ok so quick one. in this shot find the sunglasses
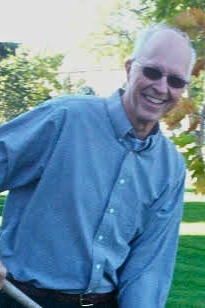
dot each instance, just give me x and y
(154, 73)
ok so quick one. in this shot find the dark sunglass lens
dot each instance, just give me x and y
(152, 73)
(176, 82)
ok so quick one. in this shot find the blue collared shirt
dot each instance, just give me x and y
(90, 208)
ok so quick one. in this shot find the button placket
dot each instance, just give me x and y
(108, 224)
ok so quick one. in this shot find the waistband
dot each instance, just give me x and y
(84, 300)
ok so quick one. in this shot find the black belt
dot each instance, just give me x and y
(85, 300)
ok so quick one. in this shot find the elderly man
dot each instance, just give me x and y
(96, 190)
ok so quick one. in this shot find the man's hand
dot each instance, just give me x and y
(2, 274)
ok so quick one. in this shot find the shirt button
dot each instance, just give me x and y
(120, 140)
(100, 237)
(112, 211)
(122, 181)
(98, 266)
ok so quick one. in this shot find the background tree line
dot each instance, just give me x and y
(26, 79)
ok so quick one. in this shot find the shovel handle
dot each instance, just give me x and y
(18, 295)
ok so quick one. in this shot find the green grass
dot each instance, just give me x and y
(188, 287)
(194, 212)
(2, 198)
(190, 190)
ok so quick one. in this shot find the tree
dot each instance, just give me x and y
(114, 37)
(80, 87)
(7, 49)
(189, 17)
(26, 80)
(86, 90)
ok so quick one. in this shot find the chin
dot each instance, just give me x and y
(148, 117)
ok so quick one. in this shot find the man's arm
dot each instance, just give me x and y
(25, 146)
(145, 277)
(23, 151)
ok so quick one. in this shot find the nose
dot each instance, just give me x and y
(161, 85)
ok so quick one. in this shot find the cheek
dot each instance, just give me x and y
(176, 96)
(138, 84)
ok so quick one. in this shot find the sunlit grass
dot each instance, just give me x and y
(194, 218)
(190, 190)
(188, 287)
(194, 212)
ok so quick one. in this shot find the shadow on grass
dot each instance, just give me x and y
(194, 212)
(188, 287)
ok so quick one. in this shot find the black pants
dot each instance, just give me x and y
(47, 302)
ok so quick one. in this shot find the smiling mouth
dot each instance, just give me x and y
(154, 100)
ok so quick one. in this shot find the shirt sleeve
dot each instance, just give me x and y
(146, 275)
(26, 144)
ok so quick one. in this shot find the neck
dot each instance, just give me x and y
(141, 127)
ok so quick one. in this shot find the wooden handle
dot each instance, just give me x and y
(18, 295)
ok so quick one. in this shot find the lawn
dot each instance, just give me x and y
(188, 287)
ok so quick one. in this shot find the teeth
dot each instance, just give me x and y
(154, 100)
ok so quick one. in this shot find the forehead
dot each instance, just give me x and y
(168, 50)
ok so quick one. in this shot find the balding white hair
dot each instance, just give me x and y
(144, 35)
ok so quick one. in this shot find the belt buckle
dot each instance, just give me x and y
(83, 304)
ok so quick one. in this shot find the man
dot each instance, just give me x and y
(95, 189)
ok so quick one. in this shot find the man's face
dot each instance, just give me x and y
(148, 100)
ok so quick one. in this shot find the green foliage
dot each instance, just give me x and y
(78, 88)
(67, 85)
(196, 89)
(26, 80)
(165, 9)
(185, 14)
(194, 158)
(7, 49)
(116, 36)
(86, 90)
(183, 139)
(82, 88)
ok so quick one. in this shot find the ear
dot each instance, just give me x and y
(128, 65)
